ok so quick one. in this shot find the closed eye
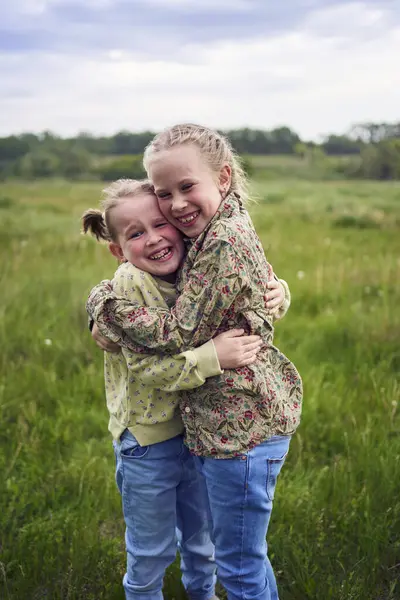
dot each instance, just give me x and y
(161, 224)
(163, 195)
(186, 187)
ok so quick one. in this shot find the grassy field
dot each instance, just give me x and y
(335, 531)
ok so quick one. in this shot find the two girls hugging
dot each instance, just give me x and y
(202, 404)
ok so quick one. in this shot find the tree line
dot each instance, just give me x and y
(377, 146)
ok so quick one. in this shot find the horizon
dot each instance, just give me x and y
(94, 134)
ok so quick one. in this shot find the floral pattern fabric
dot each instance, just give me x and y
(142, 390)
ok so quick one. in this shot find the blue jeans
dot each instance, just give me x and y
(165, 506)
(240, 492)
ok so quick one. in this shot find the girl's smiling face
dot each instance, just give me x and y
(145, 238)
(188, 191)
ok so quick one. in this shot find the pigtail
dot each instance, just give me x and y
(93, 221)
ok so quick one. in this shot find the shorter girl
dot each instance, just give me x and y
(160, 488)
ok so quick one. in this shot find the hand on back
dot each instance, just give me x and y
(234, 349)
(276, 294)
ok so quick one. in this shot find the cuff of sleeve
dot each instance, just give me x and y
(97, 315)
(98, 295)
(281, 310)
(207, 360)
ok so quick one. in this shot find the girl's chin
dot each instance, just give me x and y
(165, 269)
(195, 230)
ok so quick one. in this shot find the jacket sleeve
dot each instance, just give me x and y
(173, 373)
(215, 280)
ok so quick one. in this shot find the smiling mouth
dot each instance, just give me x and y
(188, 219)
(162, 255)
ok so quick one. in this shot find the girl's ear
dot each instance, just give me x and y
(116, 251)
(225, 179)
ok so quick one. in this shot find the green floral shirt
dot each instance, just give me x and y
(222, 285)
(143, 390)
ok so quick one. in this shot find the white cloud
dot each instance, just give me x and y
(312, 83)
(343, 18)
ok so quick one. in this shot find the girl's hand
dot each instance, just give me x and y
(235, 349)
(276, 295)
(102, 342)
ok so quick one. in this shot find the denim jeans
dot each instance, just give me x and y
(240, 492)
(165, 507)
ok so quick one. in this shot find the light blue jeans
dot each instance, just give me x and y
(240, 492)
(165, 507)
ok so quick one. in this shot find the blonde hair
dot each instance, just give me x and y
(214, 147)
(98, 222)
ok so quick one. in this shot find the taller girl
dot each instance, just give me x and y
(237, 424)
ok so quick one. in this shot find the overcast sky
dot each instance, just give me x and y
(317, 66)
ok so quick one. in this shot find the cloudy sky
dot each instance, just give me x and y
(105, 65)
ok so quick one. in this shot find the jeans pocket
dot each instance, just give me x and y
(133, 450)
(274, 466)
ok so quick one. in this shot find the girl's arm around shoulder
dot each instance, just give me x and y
(129, 287)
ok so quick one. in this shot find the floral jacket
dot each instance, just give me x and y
(222, 285)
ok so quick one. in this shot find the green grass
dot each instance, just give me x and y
(335, 530)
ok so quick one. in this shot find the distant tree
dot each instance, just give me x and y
(341, 144)
(255, 141)
(13, 147)
(127, 166)
(381, 161)
(93, 145)
(283, 140)
(373, 133)
(30, 139)
(36, 164)
(75, 162)
(125, 142)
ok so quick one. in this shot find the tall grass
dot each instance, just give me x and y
(335, 531)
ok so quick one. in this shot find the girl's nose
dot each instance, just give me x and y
(178, 203)
(154, 238)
